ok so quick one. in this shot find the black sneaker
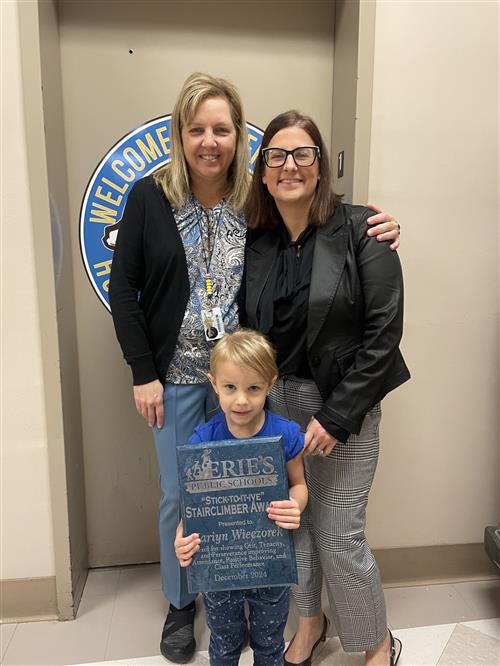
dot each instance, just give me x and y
(177, 638)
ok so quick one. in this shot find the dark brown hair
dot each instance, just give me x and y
(260, 209)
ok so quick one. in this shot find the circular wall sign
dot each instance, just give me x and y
(137, 155)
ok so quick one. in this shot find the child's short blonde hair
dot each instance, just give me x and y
(248, 349)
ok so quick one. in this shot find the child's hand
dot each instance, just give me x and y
(285, 513)
(186, 547)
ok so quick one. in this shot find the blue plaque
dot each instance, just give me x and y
(225, 489)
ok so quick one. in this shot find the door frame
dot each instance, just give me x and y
(354, 46)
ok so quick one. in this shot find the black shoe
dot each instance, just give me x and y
(394, 655)
(321, 639)
(177, 638)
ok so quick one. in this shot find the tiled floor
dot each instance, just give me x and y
(122, 613)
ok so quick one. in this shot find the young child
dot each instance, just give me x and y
(242, 372)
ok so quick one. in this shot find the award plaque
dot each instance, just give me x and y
(225, 489)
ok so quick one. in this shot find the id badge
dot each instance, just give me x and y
(213, 326)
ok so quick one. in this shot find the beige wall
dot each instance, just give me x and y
(434, 162)
(27, 538)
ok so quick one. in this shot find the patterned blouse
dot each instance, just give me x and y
(224, 253)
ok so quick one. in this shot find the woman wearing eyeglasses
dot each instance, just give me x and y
(331, 300)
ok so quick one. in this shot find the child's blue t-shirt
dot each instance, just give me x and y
(216, 429)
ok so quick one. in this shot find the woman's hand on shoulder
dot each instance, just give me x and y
(317, 440)
(186, 547)
(149, 402)
(285, 513)
(384, 227)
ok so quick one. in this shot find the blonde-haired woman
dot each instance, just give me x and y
(176, 272)
(177, 178)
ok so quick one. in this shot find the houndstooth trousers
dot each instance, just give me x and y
(331, 541)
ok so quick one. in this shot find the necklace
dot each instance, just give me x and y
(208, 226)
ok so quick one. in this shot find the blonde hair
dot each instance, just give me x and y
(248, 349)
(174, 177)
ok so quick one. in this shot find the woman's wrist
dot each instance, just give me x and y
(340, 434)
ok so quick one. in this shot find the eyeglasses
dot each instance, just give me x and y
(303, 156)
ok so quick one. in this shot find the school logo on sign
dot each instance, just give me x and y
(206, 475)
(137, 155)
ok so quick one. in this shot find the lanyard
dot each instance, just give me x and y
(208, 236)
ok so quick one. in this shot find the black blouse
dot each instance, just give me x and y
(284, 302)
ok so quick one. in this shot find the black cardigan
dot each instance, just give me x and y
(355, 315)
(149, 284)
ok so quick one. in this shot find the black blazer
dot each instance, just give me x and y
(355, 318)
(149, 285)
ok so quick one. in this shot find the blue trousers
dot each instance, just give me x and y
(225, 612)
(186, 406)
